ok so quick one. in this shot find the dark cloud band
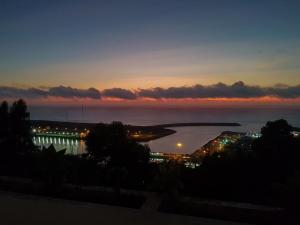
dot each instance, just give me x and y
(60, 91)
(119, 93)
(219, 90)
(68, 92)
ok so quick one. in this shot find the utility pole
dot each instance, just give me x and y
(82, 115)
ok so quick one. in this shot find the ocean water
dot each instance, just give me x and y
(192, 138)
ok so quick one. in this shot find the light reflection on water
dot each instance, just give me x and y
(186, 140)
(192, 138)
(72, 146)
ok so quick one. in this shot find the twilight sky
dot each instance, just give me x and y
(127, 47)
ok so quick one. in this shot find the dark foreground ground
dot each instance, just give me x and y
(20, 209)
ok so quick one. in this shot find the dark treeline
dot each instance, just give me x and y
(15, 135)
(16, 146)
(266, 173)
(111, 159)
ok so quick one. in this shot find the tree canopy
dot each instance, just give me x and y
(276, 140)
(110, 143)
(15, 131)
(277, 149)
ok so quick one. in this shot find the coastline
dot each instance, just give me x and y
(139, 133)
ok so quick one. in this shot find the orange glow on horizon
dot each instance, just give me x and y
(160, 102)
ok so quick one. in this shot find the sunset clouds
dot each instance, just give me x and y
(59, 91)
(221, 90)
(237, 90)
(119, 93)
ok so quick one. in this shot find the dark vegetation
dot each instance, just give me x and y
(267, 174)
(112, 160)
(255, 176)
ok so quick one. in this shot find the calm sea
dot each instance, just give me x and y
(251, 119)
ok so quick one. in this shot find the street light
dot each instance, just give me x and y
(179, 145)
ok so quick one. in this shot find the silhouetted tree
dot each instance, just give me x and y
(110, 146)
(81, 170)
(109, 143)
(117, 177)
(16, 143)
(276, 148)
(105, 138)
(51, 167)
(167, 179)
(4, 124)
(20, 136)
